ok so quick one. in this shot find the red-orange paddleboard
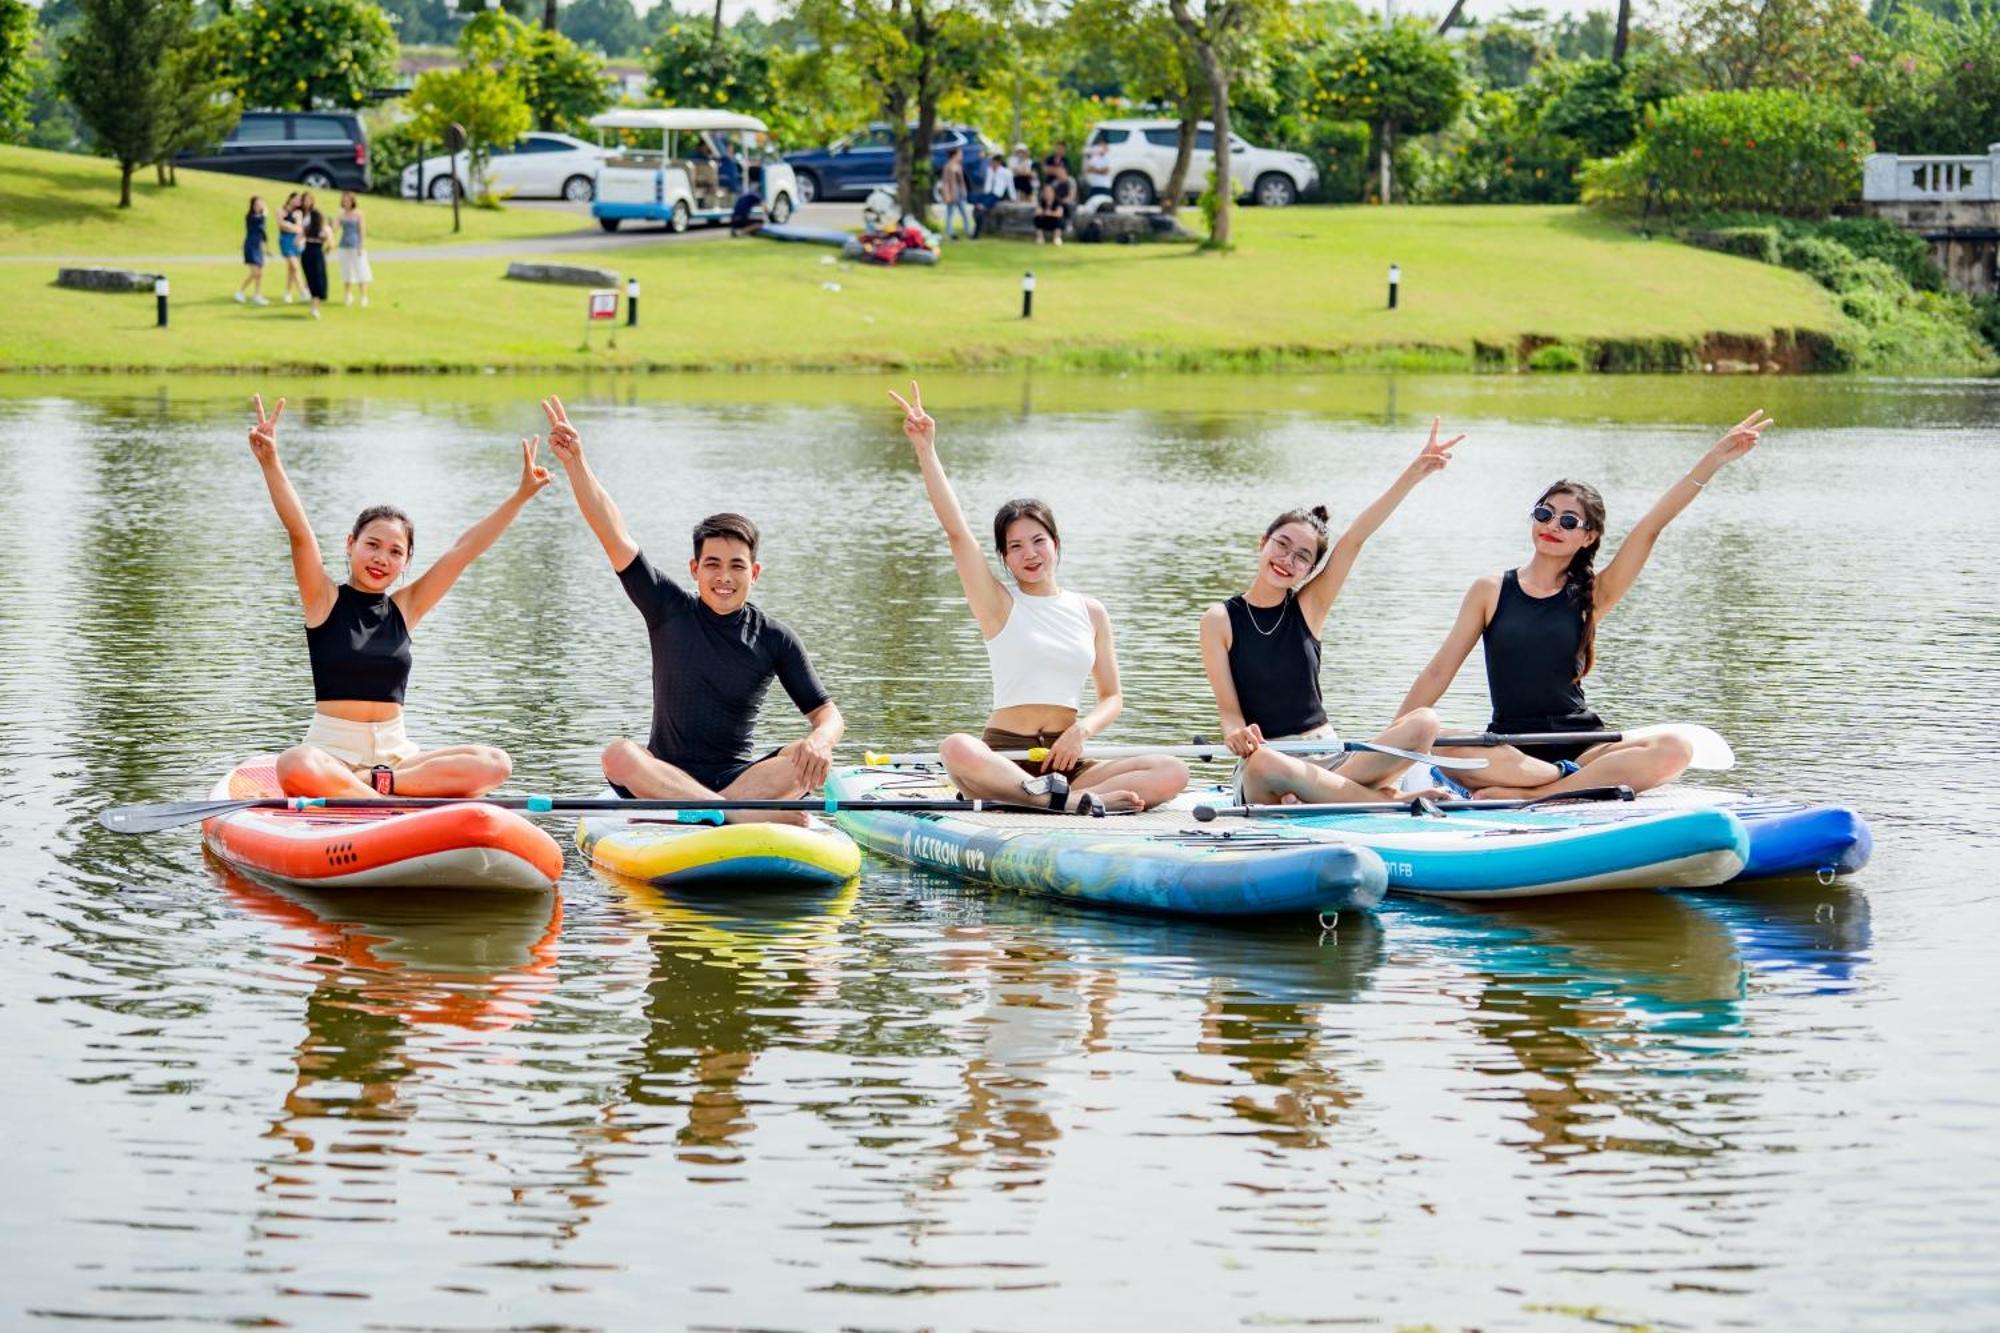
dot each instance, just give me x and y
(469, 846)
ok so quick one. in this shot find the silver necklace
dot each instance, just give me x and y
(1249, 611)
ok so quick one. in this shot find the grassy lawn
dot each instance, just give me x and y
(66, 204)
(1305, 286)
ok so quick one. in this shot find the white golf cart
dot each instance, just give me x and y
(676, 165)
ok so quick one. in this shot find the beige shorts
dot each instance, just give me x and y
(1329, 761)
(362, 745)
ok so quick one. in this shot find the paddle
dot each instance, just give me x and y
(174, 814)
(1212, 751)
(1711, 752)
(1416, 805)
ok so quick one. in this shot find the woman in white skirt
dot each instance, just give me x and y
(354, 271)
(358, 639)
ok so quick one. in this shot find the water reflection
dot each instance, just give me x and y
(731, 976)
(829, 1110)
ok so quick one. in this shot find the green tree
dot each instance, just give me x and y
(308, 53)
(562, 83)
(199, 104)
(111, 73)
(915, 54)
(690, 69)
(422, 22)
(18, 66)
(1218, 34)
(1941, 92)
(1803, 45)
(1589, 103)
(1143, 49)
(1401, 79)
(612, 27)
(485, 101)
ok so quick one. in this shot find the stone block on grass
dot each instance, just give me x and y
(568, 275)
(106, 279)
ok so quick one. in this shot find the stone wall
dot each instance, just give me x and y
(1964, 236)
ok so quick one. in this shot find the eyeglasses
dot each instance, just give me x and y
(1566, 521)
(1298, 557)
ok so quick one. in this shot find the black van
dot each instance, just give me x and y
(321, 150)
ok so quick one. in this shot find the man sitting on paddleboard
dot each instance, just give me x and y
(1539, 624)
(714, 656)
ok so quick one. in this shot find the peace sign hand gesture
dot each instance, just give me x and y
(564, 442)
(1436, 454)
(917, 423)
(1737, 441)
(264, 434)
(533, 475)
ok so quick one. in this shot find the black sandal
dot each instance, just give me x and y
(1053, 786)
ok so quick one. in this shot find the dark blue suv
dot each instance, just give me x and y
(849, 168)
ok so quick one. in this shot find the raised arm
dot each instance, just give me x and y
(1241, 738)
(1618, 577)
(1317, 597)
(430, 587)
(986, 595)
(1068, 749)
(596, 504)
(316, 589)
(1436, 677)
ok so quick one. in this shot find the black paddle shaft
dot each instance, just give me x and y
(153, 818)
(1531, 738)
(1416, 805)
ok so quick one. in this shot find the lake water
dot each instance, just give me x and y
(907, 1104)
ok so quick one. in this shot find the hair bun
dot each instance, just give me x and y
(1319, 512)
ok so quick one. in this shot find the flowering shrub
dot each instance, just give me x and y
(1770, 151)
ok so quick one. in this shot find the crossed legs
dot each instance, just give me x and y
(454, 770)
(636, 769)
(1136, 783)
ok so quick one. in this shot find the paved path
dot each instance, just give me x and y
(593, 239)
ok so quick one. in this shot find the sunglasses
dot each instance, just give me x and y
(1566, 521)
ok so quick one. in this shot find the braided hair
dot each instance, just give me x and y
(1580, 578)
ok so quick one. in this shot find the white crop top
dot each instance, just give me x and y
(1043, 652)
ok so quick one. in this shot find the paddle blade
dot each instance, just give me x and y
(1711, 752)
(173, 814)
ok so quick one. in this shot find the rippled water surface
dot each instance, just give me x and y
(908, 1104)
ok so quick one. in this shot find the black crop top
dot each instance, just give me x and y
(361, 650)
(1534, 647)
(1274, 662)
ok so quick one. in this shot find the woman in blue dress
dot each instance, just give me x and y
(251, 289)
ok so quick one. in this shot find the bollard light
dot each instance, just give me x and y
(160, 302)
(1027, 295)
(1395, 281)
(631, 302)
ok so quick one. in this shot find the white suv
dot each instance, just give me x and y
(1142, 157)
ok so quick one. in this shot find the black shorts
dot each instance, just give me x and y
(715, 777)
(1554, 753)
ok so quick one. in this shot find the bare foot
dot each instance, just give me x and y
(798, 818)
(1118, 801)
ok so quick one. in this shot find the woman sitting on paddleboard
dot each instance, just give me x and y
(1261, 650)
(1042, 641)
(358, 638)
(1539, 624)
